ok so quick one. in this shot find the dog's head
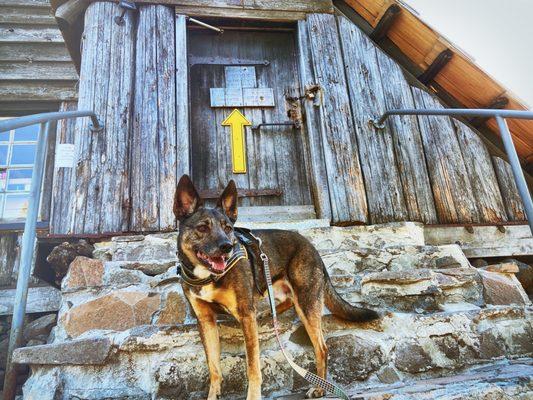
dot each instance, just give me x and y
(206, 235)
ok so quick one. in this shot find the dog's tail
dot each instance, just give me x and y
(342, 309)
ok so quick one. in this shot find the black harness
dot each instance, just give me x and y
(245, 248)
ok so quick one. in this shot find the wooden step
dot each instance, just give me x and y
(276, 213)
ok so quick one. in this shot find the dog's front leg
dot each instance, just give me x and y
(251, 339)
(207, 325)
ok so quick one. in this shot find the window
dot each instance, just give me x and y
(17, 157)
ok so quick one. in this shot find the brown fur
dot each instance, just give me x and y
(296, 267)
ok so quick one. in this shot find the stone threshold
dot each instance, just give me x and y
(508, 376)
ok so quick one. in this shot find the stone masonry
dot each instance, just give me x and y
(119, 336)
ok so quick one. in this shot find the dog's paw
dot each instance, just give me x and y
(314, 393)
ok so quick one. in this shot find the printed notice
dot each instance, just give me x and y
(65, 155)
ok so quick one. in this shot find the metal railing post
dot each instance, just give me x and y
(28, 238)
(518, 174)
(26, 258)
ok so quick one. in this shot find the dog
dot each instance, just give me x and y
(206, 241)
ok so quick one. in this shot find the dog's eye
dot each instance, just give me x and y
(202, 228)
(228, 229)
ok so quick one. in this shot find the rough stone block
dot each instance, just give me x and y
(83, 273)
(39, 327)
(173, 311)
(502, 289)
(353, 358)
(118, 311)
(74, 352)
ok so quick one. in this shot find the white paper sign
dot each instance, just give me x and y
(65, 155)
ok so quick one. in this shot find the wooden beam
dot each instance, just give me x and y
(498, 103)
(436, 66)
(385, 23)
(215, 193)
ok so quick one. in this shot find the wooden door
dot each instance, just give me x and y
(261, 65)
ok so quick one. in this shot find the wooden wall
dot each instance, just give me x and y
(428, 169)
(36, 72)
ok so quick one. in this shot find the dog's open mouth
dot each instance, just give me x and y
(216, 264)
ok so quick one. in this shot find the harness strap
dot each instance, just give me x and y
(307, 375)
(238, 253)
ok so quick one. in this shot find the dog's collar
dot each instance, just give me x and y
(187, 269)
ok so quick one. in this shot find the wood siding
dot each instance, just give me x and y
(153, 145)
(100, 183)
(435, 170)
(36, 72)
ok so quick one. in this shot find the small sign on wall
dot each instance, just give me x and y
(242, 97)
(241, 90)
(65, 156)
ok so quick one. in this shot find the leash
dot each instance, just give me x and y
(307, 375)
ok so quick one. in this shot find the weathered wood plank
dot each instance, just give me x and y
(153, 151)
(286, 10)
(312, 144)
(61, 184)
(101, 184)
(40, 299)
(27, 3)
(21, 34)
(183, 162)
(38, 90)
(25, 15)
(34, 52)
(511, 198)
(316, 6)
(481, 173)
(347, 190)
(9, 258)
(410, 157)
(42, 70)
(452, 190)
(46, 196)
(376, 151)
(215, 12)
(485, 241)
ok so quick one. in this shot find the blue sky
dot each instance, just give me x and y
(497, 34)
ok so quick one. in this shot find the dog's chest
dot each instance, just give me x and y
(212, 294)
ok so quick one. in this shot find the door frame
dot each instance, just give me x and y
(314, 164)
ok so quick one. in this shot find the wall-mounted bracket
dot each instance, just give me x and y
(436, 66)
(125, 5)
(385, 23)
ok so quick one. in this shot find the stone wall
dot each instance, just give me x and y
(121, 335)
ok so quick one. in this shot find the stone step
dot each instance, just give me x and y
(324, 238)
(497, 380)
(168, 360)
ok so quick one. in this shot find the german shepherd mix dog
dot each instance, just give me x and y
(206, 241)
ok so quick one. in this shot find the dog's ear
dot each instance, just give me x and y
(186, 198)
(228, 201)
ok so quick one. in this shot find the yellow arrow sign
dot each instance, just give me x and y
(236, 121)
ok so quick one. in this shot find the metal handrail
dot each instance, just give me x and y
(507, 139)
(28, 237)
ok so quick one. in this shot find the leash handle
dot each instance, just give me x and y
(307, 375)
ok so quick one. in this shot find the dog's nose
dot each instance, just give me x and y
(225, 247)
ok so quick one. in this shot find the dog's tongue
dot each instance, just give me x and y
(217, 263)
